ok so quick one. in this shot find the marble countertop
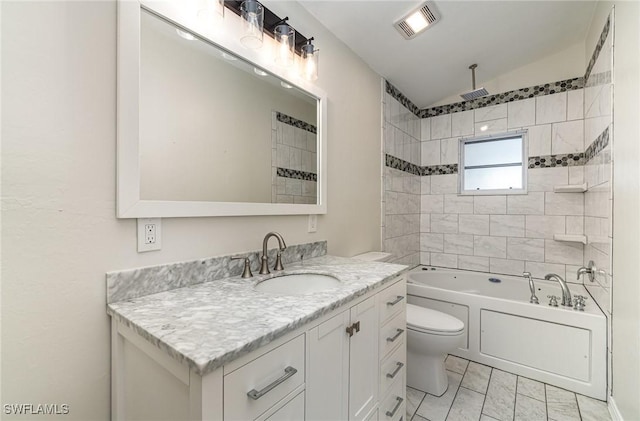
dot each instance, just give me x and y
(210, 324)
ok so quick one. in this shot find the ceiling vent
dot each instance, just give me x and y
(419, 20)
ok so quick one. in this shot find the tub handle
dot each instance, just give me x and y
(396, 371)
(396, 301)
(396, 336)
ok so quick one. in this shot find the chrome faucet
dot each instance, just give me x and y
(264, 265)
(533, 299)
(566, 294)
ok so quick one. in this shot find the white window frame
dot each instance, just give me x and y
(498, 136)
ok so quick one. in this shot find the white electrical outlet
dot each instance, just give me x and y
(149, 234)
(313, 223)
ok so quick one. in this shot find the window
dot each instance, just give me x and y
(493, 164)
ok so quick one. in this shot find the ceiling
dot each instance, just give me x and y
(498, 35)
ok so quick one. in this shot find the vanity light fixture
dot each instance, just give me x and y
(185, 35)
(309, 60)
(259, 72)
(285, 37)
(252, 14)
(211, 12)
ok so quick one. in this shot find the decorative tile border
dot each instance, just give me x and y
(502, 98)
(598, 79)
(402, 165)
(510, 96)
(558, 160)
(599, 45)
(299, 175)
(395, 92)
(283, 118)
(597, 145)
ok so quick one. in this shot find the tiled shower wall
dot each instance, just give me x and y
(401, 189)
(598, 112)
(507, 234)
(293, 160)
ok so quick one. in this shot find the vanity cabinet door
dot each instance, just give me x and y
(363, 360)
(327, 388)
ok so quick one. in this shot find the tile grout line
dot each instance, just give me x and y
(418, 405)
(515, 398)
(486, 394)
(459, 386)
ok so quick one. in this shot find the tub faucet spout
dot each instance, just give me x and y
(566, 294)
(532, 288)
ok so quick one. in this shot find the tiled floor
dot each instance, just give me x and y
(480, 393)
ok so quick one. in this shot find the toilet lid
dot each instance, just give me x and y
(428, 320)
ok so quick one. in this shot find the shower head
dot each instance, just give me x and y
(475, 93)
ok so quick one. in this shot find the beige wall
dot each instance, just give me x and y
(59, 231)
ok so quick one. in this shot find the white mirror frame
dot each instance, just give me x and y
(129, 203)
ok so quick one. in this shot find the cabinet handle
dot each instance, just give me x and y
(396, 371)
(395, 408)
(396, 301)
(396, 336)
(350, 330)
(257, 394)
(356, 325)
(354, 328)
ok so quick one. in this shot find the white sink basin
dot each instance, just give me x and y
(298, 284)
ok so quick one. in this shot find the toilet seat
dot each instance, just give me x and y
(426, 320)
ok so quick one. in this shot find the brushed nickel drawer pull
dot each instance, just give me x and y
(395, 408)
(396, 336)
(396, 371)
(396, 301)
(257, 394)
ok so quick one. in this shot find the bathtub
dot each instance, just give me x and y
(555, 345)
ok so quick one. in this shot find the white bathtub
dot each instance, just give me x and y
(555, 345)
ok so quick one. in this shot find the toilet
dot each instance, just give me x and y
(431, 335)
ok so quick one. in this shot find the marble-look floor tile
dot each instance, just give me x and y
(529, 409)
(501, 396)
(484, 417)
(561, 404)
(436, 408)
(592, 409)
(414, 398)
(531, 388)
(456, 364)
(467, 406)
(477, 377)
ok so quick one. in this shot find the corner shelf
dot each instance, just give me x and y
(571, 188)
(571, 238)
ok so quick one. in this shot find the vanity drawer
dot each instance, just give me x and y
(392, 368)
(256, 386)
(392, 407)
(392, 334)
(392, 300)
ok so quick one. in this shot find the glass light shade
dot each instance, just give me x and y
(309, 62)
(252, 14)
(210, 12)
(285, 44)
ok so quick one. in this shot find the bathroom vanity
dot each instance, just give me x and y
(226, 350)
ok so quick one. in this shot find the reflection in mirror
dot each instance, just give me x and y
(214, 128)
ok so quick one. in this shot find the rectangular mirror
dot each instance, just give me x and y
(213, 133)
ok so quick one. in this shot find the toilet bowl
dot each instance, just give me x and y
(431, 335)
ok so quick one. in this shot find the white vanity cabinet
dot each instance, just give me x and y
(346, 365)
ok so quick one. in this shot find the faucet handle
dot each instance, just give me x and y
(246, 272)
(553, 300)
(526, 274)
(278, 265)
